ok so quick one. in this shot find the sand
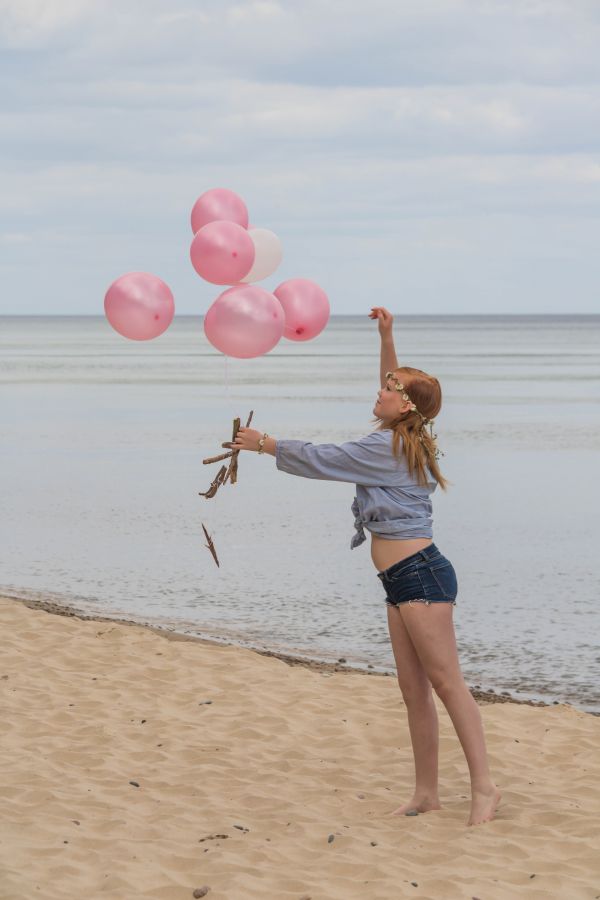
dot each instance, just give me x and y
(134, 765)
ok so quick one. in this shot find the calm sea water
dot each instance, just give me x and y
(102, 448)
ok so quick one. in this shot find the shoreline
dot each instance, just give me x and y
(71, 611)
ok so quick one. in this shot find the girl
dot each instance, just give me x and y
(395, 470)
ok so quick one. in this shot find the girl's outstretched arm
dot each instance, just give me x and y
(366, 461)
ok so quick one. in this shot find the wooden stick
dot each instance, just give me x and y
(213, 459)
(224, 473)
(210, 546)
(232, 470)
(222, 476)
(215, 485)
(234, 460)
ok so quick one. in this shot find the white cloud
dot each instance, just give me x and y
(248, 13)
(34, 23)
(402, 139)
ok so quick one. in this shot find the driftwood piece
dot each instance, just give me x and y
(232, 470)
(216, 484)
(234, 459)
(213, 459)
(222, 475)
(211, 546)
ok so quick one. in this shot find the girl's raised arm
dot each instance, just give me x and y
(388, 360)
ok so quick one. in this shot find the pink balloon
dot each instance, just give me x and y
(306, 308)
(219, 204)
(139, 306)
(244, 321)
(222, 252)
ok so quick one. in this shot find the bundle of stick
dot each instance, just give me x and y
(225, 473)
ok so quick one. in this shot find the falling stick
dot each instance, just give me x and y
(215, 485)
(210, 546)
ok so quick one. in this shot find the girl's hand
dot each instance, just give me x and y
(385, 318)
(245, 439)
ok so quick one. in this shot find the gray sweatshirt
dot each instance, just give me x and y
(389, 502)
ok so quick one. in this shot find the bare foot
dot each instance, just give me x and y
(483, 805)
(417, 804)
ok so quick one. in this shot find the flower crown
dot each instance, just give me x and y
(424, 420)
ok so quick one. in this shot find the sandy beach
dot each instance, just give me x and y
(138, 765)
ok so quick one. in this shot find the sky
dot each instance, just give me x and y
(429, 156)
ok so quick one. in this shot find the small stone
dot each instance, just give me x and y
(331, 838)
(134, 783)
(76, 821)
(144, 720)
(241, 827)
(201, 892)
(532, 876)
(412, 812)
(414, 884)
(341, 659)
(65, 842)
(373, 843)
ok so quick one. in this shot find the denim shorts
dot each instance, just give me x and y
(425, 577)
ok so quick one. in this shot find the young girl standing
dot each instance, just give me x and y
(395, 470)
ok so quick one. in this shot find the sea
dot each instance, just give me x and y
(102, 448)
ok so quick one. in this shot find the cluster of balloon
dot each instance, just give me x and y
(246, 321)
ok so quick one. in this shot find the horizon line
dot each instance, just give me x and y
(332, 315)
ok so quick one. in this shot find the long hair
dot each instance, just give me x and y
(425, 392)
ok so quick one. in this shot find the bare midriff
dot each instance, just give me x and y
(386, 553)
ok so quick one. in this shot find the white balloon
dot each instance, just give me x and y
(268, 254)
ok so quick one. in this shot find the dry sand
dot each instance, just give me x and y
(139, 766)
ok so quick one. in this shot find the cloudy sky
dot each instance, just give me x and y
(431, 156)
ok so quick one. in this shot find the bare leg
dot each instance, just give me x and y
(431, 630)
(422, 717)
